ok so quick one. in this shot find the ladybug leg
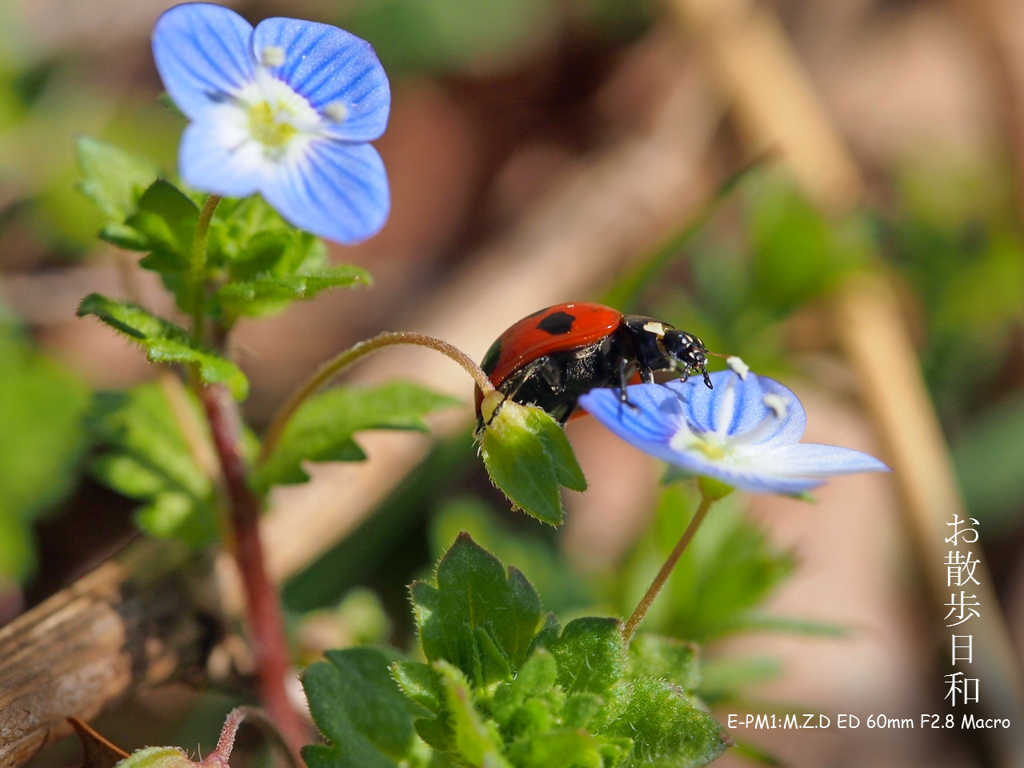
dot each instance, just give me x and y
(645, 374)
(543, 366)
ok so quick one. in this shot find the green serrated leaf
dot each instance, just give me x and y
(664, 658)
(148, 459)
(528, 457)
(666, 729)
(359, 707)
(113, 179)
(421, 683)
(590, 654)
(476, 742)
(269, 293)
(125, 237)
(324, 427)
(166, 217)
(532, 703)
(164, 341)
(572, 748)
(477, 617)
(580, 709)
(41, 445)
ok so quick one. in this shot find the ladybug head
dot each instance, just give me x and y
(688, 352)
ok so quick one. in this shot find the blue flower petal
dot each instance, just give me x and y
(770, 461)
(706, 407)
(336, 190)
(653, 417)
(329, 66)
(202, 52)
(210, 159)
(815, 460)
(790, 428)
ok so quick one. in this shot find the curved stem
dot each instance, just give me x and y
(337, 364)
(666, 570)
(197, 266)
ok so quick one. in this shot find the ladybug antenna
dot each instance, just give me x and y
(717, 354)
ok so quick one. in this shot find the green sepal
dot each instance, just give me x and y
(113, 179)
(590, 653)
(667, 730)
(323, 428)
(477, 618)
(164, 341)
(359, 707)
(158, 757)
(528, 457)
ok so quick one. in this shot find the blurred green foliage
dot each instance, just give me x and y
(41, 443)
(147, 457)
(759, 252)
(720, 580)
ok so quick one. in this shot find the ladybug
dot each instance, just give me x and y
(553, 356)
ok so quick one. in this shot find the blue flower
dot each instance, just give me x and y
(285, 109)
(744, 433)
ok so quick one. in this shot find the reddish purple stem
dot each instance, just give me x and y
(266, 627)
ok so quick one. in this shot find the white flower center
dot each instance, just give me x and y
(273, 116)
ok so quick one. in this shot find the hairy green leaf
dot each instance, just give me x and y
(158, 757)
(664, 657)
(164, 341)
(41, 443)
(324, 427)
(167, 219)
(358, 706)
(590, 654)
(477, 617)
(474, 741)
(568, 747)
(112, 178)
(148, 459)
(528, 457)
(421, 683)
(666, 729)
(265, 293)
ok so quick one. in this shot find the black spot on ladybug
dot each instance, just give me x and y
(491, 358)
(557, 323)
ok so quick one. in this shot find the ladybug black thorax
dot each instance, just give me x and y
(660, 347)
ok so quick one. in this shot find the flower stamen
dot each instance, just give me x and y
(336, 112)
(272, 56)
(266, 126)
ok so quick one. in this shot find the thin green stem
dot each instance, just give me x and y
(666, 570)
(337, 364)
(197, 267)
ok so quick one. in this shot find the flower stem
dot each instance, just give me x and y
(197, 267)
(266, 628)
(337, 364)
(666, 570)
